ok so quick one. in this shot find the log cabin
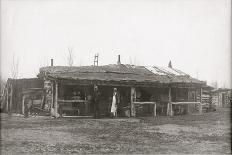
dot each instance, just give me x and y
(144, 90)
(15, 92)
(221, 97)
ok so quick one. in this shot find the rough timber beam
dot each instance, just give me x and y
(133, 96)
(11, 97)
(169, 105)
(56, 100)
(7, 99)
(200, 105)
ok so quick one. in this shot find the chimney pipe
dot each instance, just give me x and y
(170, 64)
(51, 62)
(119, 61)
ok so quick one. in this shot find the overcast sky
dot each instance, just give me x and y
(194, 34)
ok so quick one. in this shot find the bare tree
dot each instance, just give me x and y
(80, 62)
(2, 85)
(15, 68)
(130, 61)
(70, 56)
(134, 61)
(214, 84)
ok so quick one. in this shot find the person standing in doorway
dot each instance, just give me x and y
(96, 99)
(26, 110)
(115, 101)
(76, 96)
(27, 107)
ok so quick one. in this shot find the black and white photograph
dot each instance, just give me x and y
(115, 77)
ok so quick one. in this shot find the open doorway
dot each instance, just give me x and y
(106, 100)
(75, 100)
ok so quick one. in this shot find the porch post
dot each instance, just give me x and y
(11, 97)
(155, 109)
(56, 100)
(188, 101)
(7, 99)
(171, 111)
(196, 95)
(23, 106)
(169, 106)
(133, 96)
(52, 103)
(200, 105)
(168, 109)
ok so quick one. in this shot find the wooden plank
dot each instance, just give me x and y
(200, 105)
(167, 109)
(42, 101)
(11, 97)
(188, 109)
(69, 108)
(23, 105)
(171, 111)
(77, 116)
(56, 99)
(169, 101)
(51, 104)
(73, 101)
(195, 95)
(188, 100)
(188, 96)
(87, 105)
(144, 102)
(32, 90)
(155, 109)
(185, 103)
(133, 96)
(7, 99)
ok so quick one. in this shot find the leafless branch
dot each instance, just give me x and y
(15, 68)
(2, 85)
(70, 56)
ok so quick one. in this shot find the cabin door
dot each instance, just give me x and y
(124, 103)
(191, 96)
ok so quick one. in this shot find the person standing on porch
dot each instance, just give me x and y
(96, 98)
(76, 96)
(27, 107)
(115, 101)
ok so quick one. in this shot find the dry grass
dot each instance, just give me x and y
(208, 133)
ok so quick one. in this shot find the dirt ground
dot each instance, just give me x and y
(196, 134)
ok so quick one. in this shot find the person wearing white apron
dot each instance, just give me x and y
(114, 103)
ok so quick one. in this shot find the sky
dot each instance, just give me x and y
(194, 34)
